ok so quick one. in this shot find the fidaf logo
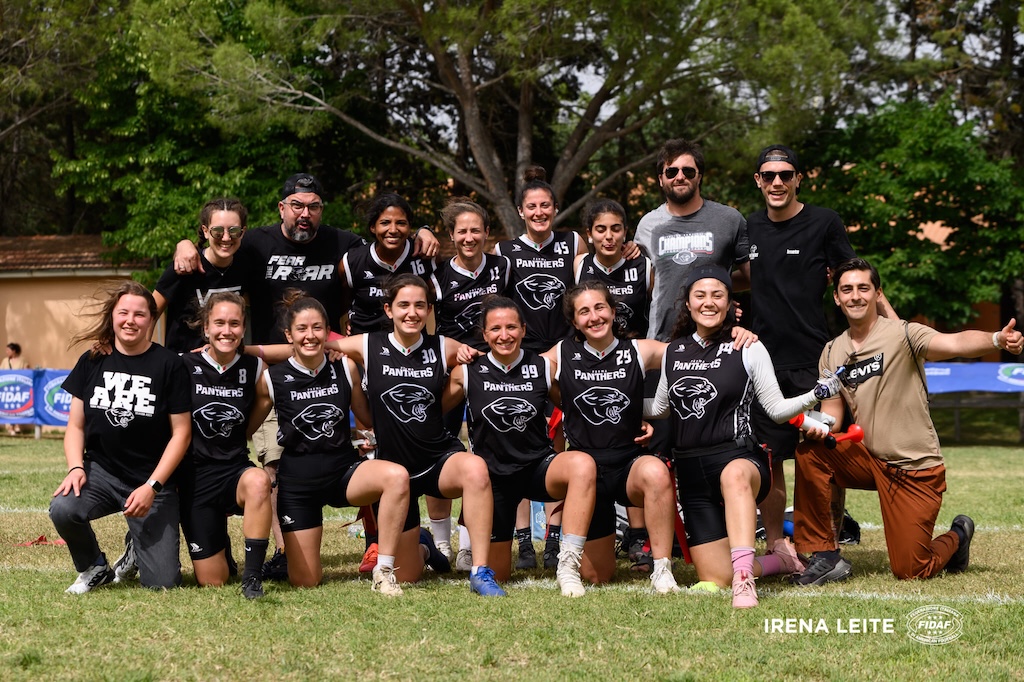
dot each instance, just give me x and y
(1012, 374)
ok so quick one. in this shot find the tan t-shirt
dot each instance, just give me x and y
(885, 390)
(12, 363)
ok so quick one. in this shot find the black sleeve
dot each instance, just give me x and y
(837, 243)
(75, 382)
(179, 391)
(168, 283)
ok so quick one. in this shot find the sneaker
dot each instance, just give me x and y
(446, 549)
(276, 568)
(550, 555)
(962, 557)
(527, 556)
(705, 587)
(640, 557)
(744, 594)
(823, 570)
(126, 568)
(384, 581)
(568, 574)
(662, 580)
(92, 577)
(464, 560)
(438, 562)
(369, 561)
(786, 553)
(484, 584)
(252, 587)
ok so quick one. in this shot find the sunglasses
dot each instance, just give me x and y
(234, 232)
(672, 171)
(769, 176)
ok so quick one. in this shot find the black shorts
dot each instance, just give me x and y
(300, 501)
(423, 483)
(611, 488)
(209, 495)
(510, 489)
(783, 438)
(700, 491)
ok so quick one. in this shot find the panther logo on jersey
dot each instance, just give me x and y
(318, 420)
(408, 402)
(600, 404)
(467, 319)
(120, 416)
(217, 419)
(508, 413)
(690, 396)
(541, 291)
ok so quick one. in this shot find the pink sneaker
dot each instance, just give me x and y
(744, 594)
(786, 553)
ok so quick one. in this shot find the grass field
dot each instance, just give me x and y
(438, 630)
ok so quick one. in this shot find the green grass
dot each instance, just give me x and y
(438, 630)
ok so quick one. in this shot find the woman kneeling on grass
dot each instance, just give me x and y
(723, 473)
(319, 465)
(128, 429)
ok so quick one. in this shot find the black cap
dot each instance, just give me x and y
(301, 183)
(777, 152)
(706, 271)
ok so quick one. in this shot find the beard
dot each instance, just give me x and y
(680, 194)
(301, 231)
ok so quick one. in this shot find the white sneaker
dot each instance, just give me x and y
(662, 580)
(384, 581)
(444, 548)
(126, 566)
(94, 576)
(464, 560)
(568, 573)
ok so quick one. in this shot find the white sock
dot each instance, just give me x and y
(464, 542)
(385, 561)
(441, 529)
(573, 542)
(666, 563)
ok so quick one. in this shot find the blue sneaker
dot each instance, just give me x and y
(484, 584)
(438, 562)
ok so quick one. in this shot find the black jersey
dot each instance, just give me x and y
(602, 398)
(186, 294)
(629, 281)
(458, 293)
(222, 398)
(405, 387)
(539, 279)
(367, 274)
(276, 264)
(709, 393)
(505, 411)
(313, 417)
(128, 400)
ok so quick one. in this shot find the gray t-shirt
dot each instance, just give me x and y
(715, 235)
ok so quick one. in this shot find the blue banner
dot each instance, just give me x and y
(34, 396)
(53, 403)
(16, 397)
(996, 377)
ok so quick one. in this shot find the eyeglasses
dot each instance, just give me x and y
(234, 232)
(769, 176)
(672, 171)
(314, 207)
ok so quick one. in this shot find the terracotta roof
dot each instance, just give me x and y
(59, 252)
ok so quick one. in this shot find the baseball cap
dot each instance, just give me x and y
(706, 271)
(777, 152)
(300, 183)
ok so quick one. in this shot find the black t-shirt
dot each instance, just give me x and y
(459, 292)
(221, 403)
(404, 387)
(602, 399)
(629, 281)
(788, 273)
(128, 401)
(505, 411)
(538, 282)
(367, 275)
(277, 264)
(185, 294)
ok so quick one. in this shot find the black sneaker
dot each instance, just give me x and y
(962, 557)
(276, 568)
(550, 555)
(823, 569)
(640, 556)
(126, 567)
(252, 587)
(527, 556)
(438, 562)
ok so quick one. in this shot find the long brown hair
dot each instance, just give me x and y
(101, 332)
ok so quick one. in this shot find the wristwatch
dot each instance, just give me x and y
(155, 484)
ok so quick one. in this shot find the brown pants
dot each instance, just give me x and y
(909, 500)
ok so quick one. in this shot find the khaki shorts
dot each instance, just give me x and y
(264, 441)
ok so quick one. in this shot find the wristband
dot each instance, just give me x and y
(73, 468)
(995, 340)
